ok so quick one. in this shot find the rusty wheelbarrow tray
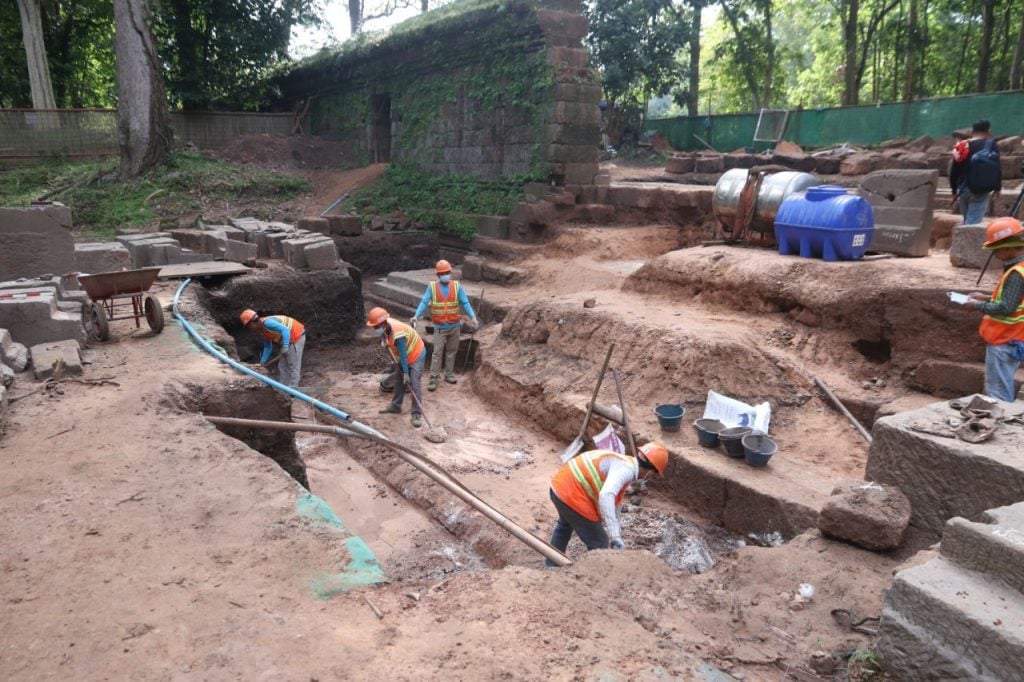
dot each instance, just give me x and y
(120, 295)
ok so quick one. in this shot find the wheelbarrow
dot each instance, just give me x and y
(120, 295)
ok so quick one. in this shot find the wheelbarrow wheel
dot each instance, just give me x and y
(154, 314)
(94, 319)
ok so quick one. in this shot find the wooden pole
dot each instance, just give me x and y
(625, 417)
(842, 408)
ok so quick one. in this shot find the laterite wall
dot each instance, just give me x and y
(492, 90)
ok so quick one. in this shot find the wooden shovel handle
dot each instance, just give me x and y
(597, 389)
(625, 418)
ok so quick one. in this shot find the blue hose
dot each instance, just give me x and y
(206, 345)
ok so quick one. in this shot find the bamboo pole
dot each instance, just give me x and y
(842, 408)
(421, 462)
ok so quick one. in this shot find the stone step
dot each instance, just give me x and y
(398, 293)
(941, 621)
(416, 280)
(395, 309)
(994, 546)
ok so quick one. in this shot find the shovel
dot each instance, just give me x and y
(577, 444)
(438, 435)
(625, 418)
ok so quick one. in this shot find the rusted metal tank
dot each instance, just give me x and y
(774, 188)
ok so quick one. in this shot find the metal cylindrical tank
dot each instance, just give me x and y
(774, 189)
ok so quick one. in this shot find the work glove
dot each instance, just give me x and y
(617, 544)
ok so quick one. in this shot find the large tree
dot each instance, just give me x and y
(143, 123)
(753, 51)
(35, 54)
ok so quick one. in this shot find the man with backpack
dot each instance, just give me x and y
(975, 175)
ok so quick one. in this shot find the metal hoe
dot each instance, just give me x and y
(577, 444)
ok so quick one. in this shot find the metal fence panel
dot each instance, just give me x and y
(31, 133)
(866, 124)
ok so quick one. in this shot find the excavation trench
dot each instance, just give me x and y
(418, 529)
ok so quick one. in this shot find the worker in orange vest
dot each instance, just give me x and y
(1002, 327)
(283, 331)
(444, 298)
(409, 353)
(588, 490)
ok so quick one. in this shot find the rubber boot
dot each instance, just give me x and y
(450, 378)
(432, 384)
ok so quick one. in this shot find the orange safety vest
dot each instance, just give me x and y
(999, 330)
(413, 343)
(444, 310)
(578, 483)
(294, 326)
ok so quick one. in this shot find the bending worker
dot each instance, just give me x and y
(588, 490)
(408, 352)
(444, 298)
(284, 331)
(1002, 328)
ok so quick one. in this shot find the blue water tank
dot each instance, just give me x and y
(825, 222)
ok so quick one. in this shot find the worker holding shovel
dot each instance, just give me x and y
(444, 298)
(283, 331)
(588, 490)
(1002, 327)
(408, 352)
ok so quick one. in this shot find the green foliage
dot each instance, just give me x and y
(864, 666)
(100, 203)
(636, 43)
(442, 202)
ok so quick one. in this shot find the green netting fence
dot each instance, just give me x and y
(863, 125)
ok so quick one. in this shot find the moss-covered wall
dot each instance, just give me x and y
(488, 88)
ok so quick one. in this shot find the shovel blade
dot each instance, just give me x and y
(573, 449)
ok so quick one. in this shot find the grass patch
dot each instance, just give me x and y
(439, 201)
(186, 183)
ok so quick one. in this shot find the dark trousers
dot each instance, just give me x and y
(591, 533)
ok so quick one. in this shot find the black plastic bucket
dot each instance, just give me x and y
(670, 416)
(707, 431)
(732, 439)
(758, 449)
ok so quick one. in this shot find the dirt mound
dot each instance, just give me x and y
(282, 152)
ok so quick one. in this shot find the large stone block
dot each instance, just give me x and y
(948, 379)
(275, 243)
(33, 316)
(713, 163)
(994, 545)
(150, 252)
(215, 243)
(346, 225)
(295, 249)
(45, 357)
(965, 250)
(314, 224)
(190, 238)
(946, 477)
(101, 257)
(12, 353)
(867, 514)
(35, 241)
(239, 252)
(679, 164)
(321, 255)
(902, 201)
(860, 163)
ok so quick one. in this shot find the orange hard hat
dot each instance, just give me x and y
(248, 316)
(377, 317)
(657, 455)
(442, 267)
(1003, 230)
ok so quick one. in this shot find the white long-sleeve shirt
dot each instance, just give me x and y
(617, 475)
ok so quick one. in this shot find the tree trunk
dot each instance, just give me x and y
(143, 123)
(769, 76)
(851, 85)
(355, 16)
(423, 6)
(693, 97)
(985, 51)
(911, 53)
(35, 55)
(1017, 66)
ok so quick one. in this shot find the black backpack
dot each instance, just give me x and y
(984, 173)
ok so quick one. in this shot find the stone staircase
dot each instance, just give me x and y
(400, 293)
(960, 616)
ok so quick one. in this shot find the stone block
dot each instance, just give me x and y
(943, 223)
(6, 375)
(921, 143)
(493, 226)
(35, 241)
(502, 274)
(295, 249)
(795, 160)
(215, 243)
(46, 355)
(190, 238)
(902, 201)
(12, 353)
(965, 250)
(151, 252)
(866, 514)
(239, 252)
(346, 225)
(275, 243)
(321, 255)
(947, 379)
(1011, 165)
(706, 163)
(993, 545)
(101, 257)
(827, 165)
(946, 477)
(319, 225)
(679, 164)
(228, 231)
(472, 269)
(860, 163)
(188, 256)
(32, 316)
